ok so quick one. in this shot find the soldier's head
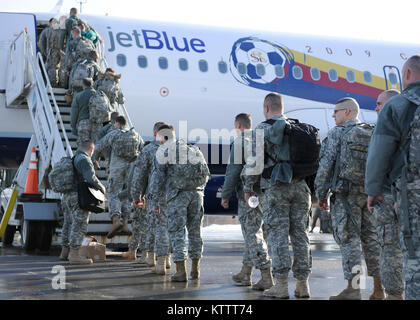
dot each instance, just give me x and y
(76, 32)
(243, 121)
(273, 104)
(114, 116)
(165, 133)
(87, 83)
(383, 98)
(73, 12)
(411, 70)
(345, 109)
(87, 146)
(110, 70)
(156, 128)
(52, 21)
(120, 122)
(93, 55)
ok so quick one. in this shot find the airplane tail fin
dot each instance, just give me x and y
(56, 10)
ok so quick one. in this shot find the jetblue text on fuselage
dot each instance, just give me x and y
(152, 39)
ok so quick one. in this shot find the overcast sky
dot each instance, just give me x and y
(382, 20)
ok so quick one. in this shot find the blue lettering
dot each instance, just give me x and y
(197, 43)
(156, 38)
(168, 46)
(111, 40)
(186, 48)
(122, 36)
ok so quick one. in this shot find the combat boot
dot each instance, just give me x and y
(279, 290)
(181, 272)
(143, 257)
(302, 289)
(378, 290)
(125, 226)
(243, 278)
(168, 261)
(130, 255)
(160, 267)
(266, 281)
(348, 294)
(64, 253)
(151, 259)
(76, 258)
(195, 269)
(116, 226)
(394, 297)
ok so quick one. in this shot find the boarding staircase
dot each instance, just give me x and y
(53, 140)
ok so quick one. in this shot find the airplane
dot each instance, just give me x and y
(198, 78)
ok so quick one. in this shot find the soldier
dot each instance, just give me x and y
(84, 68)
(80, 218)
(255, 252)
(391, 260)
(286, 202)
(104, 131)
(155, 235)
(353, 225)
(43, 39)
(54, 56)
(125, 145)
(183, 169)
(395, 142)
(108, 83)
(81, 123)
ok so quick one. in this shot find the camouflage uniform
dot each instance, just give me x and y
(78, 50)
(286, 202)
(118, 175)
(66, 202)
(389, 138)
(89, 69)
(351, 229)
(184, 209)
(109, 84)
(391, 259)
(157, 238)
(43, 42)
(81, 125)
(54, 57)
(255, 251)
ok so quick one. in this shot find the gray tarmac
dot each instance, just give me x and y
(31, 276)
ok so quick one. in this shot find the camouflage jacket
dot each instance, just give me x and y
(328, 155)
(142, 171)
(85, 169)
(276, 145)
(43, 41)
(78, 49)
(384, 156)
(111, 89)
(80, 107)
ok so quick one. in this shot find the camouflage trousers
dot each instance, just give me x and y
(286, 212)
(55, 68)
(353, 237)
(65, 230)
(255, 251)
(79, 220)
(118, 175)
(411, 264)
(87, 130)
(391, 260)
(160, 231)
(138, 227)
(150, 231)
(185, 211)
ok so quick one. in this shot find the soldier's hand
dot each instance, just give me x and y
(372, 201)
(224, 203)
(323, 204)
(156, 210)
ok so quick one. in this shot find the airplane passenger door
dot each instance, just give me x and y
(392, 78)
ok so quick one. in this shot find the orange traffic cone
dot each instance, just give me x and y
(31, 188)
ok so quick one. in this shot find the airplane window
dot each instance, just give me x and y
(367, 76)
(333, 75)
(121, 60)
(142, 61)
(241, 68)
(297, 72)
(315, 74)
(163, 63)
(279, 70)
(203, 65)
(183, 64)
(260, 70)
(393, 78)
(222, 67)
(350, 76)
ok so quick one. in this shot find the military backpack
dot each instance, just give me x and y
(110, 87)
(190, 170)
(61, 177)
(126, 144)
(99, 107)
(82, 69)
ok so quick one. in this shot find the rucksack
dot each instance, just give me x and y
(126, 144)
(304, 147)
(61, 177)
(99, 107)
(354, 145)
(109, 87)
(190, 170)
(82, 69)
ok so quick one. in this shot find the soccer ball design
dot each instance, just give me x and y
(253, 61)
